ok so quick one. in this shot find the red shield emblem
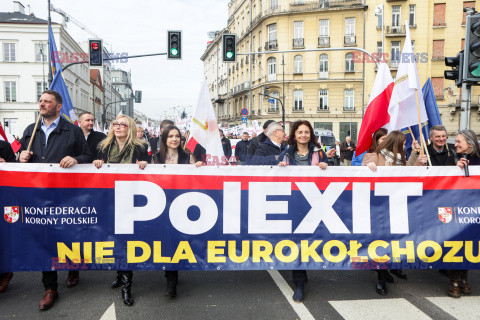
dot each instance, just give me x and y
(11, 214)
(445, 214)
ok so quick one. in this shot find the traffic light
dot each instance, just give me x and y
(265, 92)
(229, 42)
(138, 96)
(174, 39)
(457, 73)
(472, 49)
(95, 48)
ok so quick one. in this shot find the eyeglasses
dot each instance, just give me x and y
(123, 125)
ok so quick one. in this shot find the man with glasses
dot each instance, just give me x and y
(56, 141)
(267, 153)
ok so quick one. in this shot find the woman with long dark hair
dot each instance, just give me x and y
(303, 150)
(391, 152)
(171, 152)
(468, 150)
(377, 138)
(122, 146)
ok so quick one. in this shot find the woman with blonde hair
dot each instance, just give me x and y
(123, 146)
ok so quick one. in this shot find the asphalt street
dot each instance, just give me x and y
(244, 295)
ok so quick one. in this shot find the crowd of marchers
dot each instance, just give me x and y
(55, 140)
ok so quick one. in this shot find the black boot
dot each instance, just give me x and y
(298, 293)
(117, 282)
(172, 280)
(381, 286)
(126, 290)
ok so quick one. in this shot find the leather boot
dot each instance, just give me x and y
(117, 282)
(126, 290)
(464, 287)
(73, 278)
(48, 299)
(298, 293)
(454, 290)
(171, 288)
(5, 281)
(381, 285)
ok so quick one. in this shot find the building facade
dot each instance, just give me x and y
(331, 88)
(122, 83)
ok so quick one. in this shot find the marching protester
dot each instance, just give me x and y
(227, 146)
(252, 147)
(347, 148)
(171, 152)
(468, 150)
(6, 155)
(440, 153)
(141, 136)
(303, 150)
(122, 145)
(55, 141)
(391, 152)
(163, 125)
(241, 148)
(85, 121)
(268, 152)
(378, 137)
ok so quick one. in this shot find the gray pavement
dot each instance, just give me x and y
(244, 295)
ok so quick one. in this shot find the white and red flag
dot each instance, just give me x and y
(403, 105)
(376, 116)
(204, 127)
(10, 139)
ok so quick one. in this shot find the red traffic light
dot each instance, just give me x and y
(95, 46)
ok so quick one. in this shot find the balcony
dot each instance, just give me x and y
(324, 41)
(298, 43)
(323, 75)
(350, 40)
(349, 109)
(395, 31)
(271, 45)
(394, 64)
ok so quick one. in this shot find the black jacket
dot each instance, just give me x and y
(6, 151)
(346, 154)
(227, 147)
(66, 140)
(267, 153)
(140, 153)
(252, 147)
(93, 139)
(444, 158)
(241, 150)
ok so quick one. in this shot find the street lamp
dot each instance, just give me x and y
(379, 12)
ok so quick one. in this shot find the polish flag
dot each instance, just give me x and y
(204, 128)
(376, 116)
(10, 139)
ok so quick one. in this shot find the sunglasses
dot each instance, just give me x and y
(123, 125)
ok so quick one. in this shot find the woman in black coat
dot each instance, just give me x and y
(123, 146)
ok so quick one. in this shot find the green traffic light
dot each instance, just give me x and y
(229, 55)
(174, 51)
(476, 72)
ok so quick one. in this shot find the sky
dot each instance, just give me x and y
(140, 27)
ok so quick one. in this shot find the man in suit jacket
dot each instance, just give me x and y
(86, 120)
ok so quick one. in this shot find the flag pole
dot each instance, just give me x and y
(34, 132)
(421, 130)
(411, 133)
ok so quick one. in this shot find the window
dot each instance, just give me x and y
(40, 52)
(323, 30)
(437, 84)
(9, 52)
(396, 11)
(380, 20)
(273, 106)
(350, 26)
(11, 126)
(323, 100)
(298, 100)
(272, 69)
(298, 64)
(349, 98)
(395, 54)
(41, 86)
(273, 4)
(438, 52)
(348, 129)
(380, 50)
(349, 65)
(323, 66)
(324, 4)
(439, 14)
(272, 32)
(411, 16)
(298, 2)
(298, 30)
(10, 91)
(323, 125)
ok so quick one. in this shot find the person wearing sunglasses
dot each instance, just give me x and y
(123, 146)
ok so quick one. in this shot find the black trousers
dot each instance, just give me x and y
(299, 276)
(457, 275)
(171, 275)
(49, 279)
(129, 274)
